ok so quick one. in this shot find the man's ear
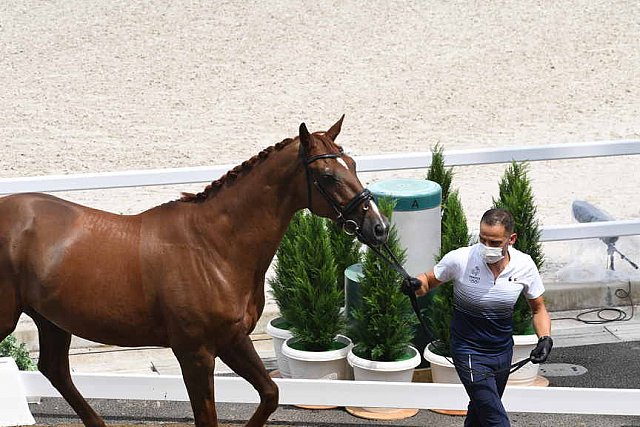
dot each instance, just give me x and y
(513, 238)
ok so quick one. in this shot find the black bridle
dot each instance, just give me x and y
(364, 196)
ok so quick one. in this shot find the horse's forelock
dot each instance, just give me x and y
(327, 145)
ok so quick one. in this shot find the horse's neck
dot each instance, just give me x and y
(247, 219)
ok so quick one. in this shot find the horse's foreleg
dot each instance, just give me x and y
(241, 356)
(53, 363)
(197, 373)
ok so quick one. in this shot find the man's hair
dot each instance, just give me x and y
(499, 216)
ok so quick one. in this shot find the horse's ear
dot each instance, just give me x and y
(305, 137)
(335, 129)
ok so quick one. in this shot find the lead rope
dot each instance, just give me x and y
(392, 261)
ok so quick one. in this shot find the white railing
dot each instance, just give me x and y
(354, 393)
(552, 400)
(374, 163)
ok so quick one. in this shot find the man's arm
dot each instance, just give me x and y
(542, 325)
(541, 319)
(428, 281)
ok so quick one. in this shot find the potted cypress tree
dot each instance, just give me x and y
(346, 251)
(439, 310)
(345, 248)
(382, 327)
(438, 173)
(516, 196)
(282, 285)
(317, 348)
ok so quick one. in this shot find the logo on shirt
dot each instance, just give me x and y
(474, 277)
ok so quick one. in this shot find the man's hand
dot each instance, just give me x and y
(542, 350)
(410, 285)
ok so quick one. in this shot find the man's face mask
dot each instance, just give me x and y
(490, 254)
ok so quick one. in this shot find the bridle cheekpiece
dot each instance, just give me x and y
(349, 225)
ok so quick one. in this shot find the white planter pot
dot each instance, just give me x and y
(278, 337)
(522, 346)
(370, 370)
(442, 371)
(326, 365)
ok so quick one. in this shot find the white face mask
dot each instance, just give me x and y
(489, 254)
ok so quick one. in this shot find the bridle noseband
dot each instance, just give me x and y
(348, 225)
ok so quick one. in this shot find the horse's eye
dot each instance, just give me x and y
(327, 179)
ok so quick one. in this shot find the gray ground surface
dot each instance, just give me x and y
(607, 365)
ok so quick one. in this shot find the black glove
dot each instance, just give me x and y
(410, 285)
(542, 350)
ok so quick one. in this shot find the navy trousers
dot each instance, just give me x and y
(484, 388)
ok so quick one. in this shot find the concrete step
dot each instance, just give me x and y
(578, 296)
(27, 332)
(151, 360)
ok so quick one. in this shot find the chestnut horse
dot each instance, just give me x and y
(188, 274)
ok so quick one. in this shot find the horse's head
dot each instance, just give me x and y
(334, 190)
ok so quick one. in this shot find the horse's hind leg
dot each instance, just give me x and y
(54, 364)
(241, 356)
(197, 372)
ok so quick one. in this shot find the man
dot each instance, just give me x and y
(488, 277)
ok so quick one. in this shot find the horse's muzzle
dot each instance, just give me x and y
(375, 229)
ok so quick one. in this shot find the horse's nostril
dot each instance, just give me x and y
(378, 230)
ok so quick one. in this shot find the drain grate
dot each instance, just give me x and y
(562, 370)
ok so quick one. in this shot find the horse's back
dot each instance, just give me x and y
(74, 265)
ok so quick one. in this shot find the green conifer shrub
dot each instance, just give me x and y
(345, 248)
(287, 266)
(439, 173)
(307, 274)
(516, 196)
(382, 327)
(454, 235)
(10, 348)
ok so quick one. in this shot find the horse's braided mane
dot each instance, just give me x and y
(231, 176)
